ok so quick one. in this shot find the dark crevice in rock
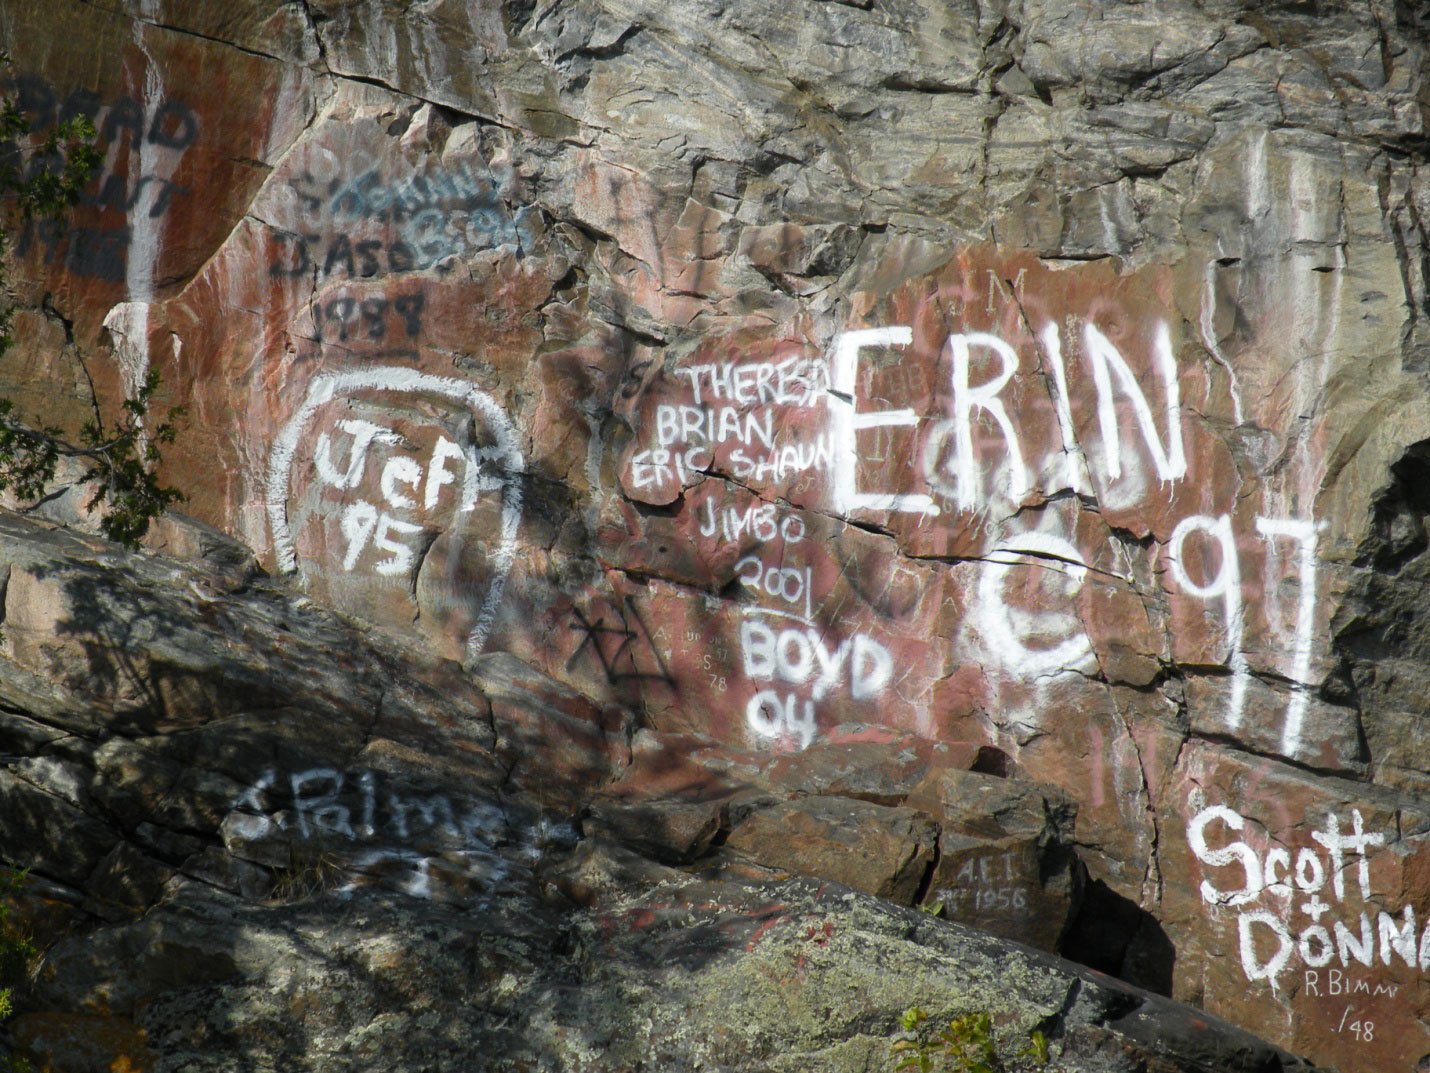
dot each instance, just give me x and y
(905, 82)
(313, 19)
(1114, 935)
(188, 31)
(1234, 744)
(1399, 520)
(921, 894)
(447, 108)
(608, 50)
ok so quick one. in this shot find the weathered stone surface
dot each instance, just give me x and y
(70, 1043)
(721, 975)
(868, 763)
(660, 389)
(879, 850)
(553, 740)
(402, 896)
(1005, 854)
(1307, 882)
(675, 831)
(685, 767)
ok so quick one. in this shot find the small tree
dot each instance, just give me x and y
(121, 457)
(17, 953)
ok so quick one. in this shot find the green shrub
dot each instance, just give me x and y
(17, 954)
(967, 1045)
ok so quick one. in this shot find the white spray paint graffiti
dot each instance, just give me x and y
(982, 456)
(845, 421)
(497, 468)
(1207, 325)
(1226, 584)
(774, 716)
(152, 166)
(1170, 460)
(799, 656)
(731, 403)
(763, 522)
(1075, 465)
(995, 884)
(785, 653)
(1304, 532)
(984, 397)
(959, 477)
(406, 838)
(1267, 940)
(722, 395)
(1010, 630)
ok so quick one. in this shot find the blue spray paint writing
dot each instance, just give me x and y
(422, 219)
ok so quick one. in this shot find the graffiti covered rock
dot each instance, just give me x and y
(974, 375)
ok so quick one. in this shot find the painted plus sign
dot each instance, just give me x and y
(1315, 907)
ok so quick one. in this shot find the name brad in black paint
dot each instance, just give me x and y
(124, 128)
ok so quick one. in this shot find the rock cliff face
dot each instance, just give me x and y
(975, 453)
(261, 840)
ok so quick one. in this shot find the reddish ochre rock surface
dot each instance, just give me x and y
(797, 448)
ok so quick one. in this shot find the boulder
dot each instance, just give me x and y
(1006, 854)
(868, 763)
(877, 849)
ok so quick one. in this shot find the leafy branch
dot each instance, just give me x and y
(59, 167)
(121, 458)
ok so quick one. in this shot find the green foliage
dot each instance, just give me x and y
(17, 954)
(120, 457)
(967, 1045)
(59, 167)
(123, 465)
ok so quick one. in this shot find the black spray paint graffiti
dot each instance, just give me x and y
(173, 124)
(407, 224)
(371, 197)
(372, 318)
(309, 253)
(128, 133)
(617, 644)
(89, 252)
